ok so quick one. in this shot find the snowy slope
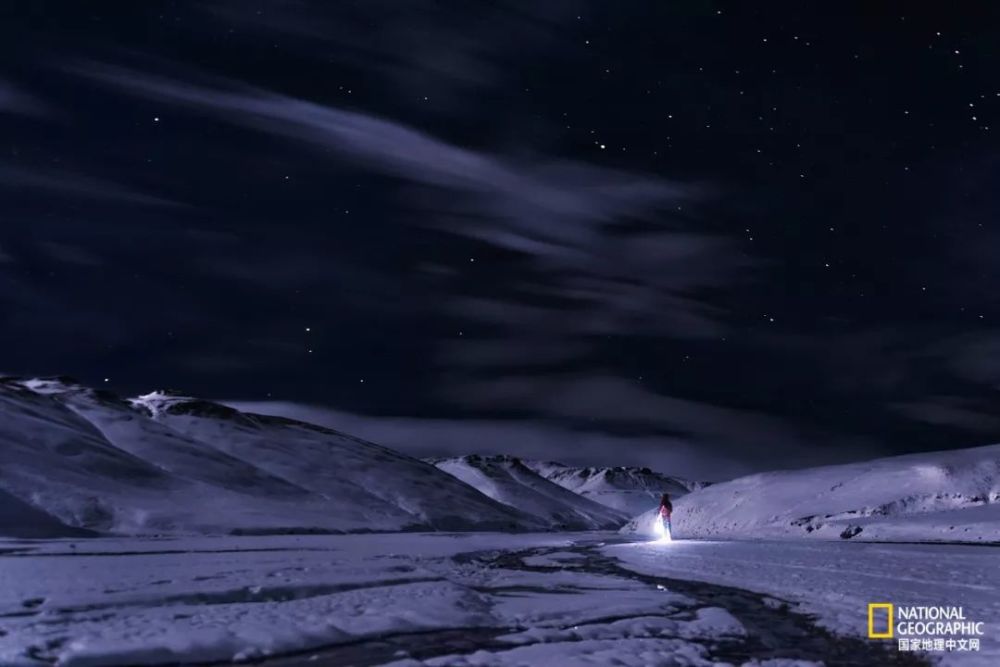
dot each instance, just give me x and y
(57, 462)
(509, 481)
(631, 490)
(19, 519)
(74, 458)
(939, 496)
(371, 487)
(206, 491)
(132, 431)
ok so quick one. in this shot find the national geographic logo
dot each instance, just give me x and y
(873, 607)
(930, 628)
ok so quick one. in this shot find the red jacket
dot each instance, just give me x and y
(666, 509)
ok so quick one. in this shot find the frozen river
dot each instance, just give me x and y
(477, 599)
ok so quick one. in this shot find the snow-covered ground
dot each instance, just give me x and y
(950, 496)
(472, 599)
(628, 489)
(836, 581)
(508, 480)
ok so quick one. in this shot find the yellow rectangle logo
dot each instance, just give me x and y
(872, 606)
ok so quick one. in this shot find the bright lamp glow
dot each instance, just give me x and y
(661, 532)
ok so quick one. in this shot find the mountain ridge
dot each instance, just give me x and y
(165, 463)
(509, 480)
(629, 489)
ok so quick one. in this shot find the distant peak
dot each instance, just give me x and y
(171, 401)
(159, 394)
(154, 403)
(480, 460)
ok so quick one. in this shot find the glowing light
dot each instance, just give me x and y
(662, 534)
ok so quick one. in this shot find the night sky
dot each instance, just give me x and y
(708, 237)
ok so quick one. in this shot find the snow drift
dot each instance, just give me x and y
(74, 458)
(629, 489)
(508, 480)
(938, 496)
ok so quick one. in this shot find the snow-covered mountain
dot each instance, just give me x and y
(938, 496)
(631, 490)
(508, 480)
(75, 458)
(57, 462)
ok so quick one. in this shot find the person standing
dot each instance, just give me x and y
(666, 509)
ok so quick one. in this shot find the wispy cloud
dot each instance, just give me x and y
(445, 57)
(712, 444)
(15, 100)
(974, 357)
(528, 439)
(75, 184)
(557, 202)
(954, 411)
(575, 221)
